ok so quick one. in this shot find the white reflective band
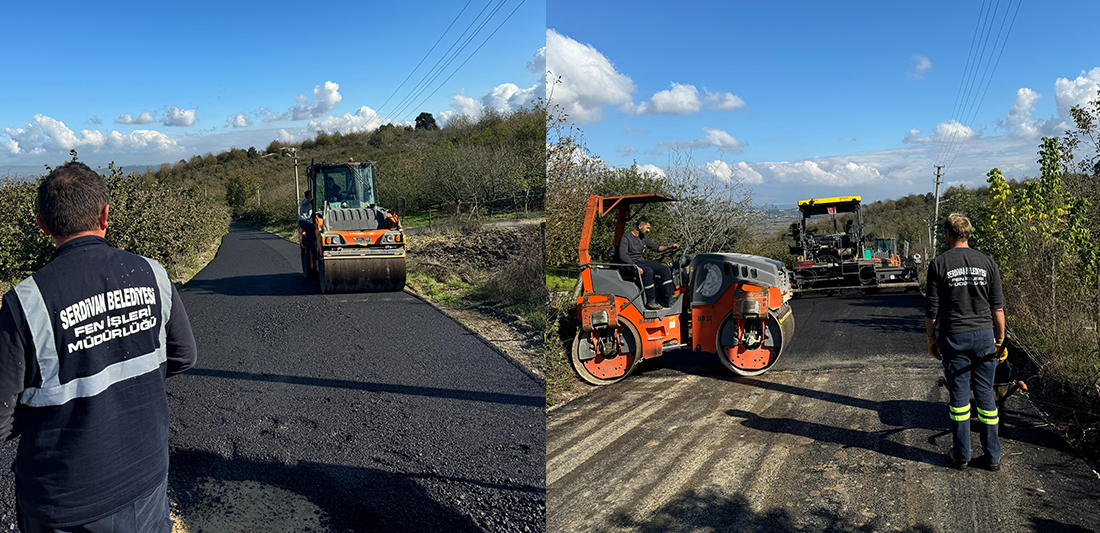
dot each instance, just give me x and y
(650, 286)
(94, 384)
(667, 282)
(164, 285)
(52, 392)
(38, 318)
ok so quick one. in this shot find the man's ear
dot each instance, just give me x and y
(103, 217)
(41, 226)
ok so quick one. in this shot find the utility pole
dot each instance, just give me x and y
(293, 152)
(936, 217)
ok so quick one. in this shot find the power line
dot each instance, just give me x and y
(455, 56)
(418, 87)
(970, 78)
(962, 81)
(425, 56)
(987, 81)
(472, 54)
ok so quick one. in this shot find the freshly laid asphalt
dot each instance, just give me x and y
(846, 433)
(378, 409)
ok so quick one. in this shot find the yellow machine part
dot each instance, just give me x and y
(362, 274)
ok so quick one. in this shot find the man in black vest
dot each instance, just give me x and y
(631, 246)
(963, 301)
(85, 346)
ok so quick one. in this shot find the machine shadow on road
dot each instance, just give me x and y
(342, 498)
(287, 284)
(707, 509)
(899, 415)
(435, 392)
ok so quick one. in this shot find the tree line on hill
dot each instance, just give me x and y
(494, 161)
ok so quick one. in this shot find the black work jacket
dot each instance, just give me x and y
(85, 346)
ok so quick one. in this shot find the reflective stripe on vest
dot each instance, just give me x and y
(959, 414)
(988, 417)
(53, 392)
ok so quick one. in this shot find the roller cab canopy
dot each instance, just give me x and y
(600, 206)
(829, 206)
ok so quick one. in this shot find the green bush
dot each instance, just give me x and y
(165, 222)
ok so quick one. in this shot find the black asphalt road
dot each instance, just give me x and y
(377, 411)
(846, 433)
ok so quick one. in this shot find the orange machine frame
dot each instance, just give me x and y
(651, 334)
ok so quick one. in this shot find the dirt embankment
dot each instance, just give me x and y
(495, 272)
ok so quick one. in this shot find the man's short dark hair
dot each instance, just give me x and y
(71, 199)
(641, 220)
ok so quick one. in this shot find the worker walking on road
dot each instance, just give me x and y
(963, 301)
(85, 346)
(631, 247)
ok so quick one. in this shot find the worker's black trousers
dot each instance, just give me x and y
(656, 273)
(969, 358)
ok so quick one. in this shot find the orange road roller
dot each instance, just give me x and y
(356, 245)
(733, 305)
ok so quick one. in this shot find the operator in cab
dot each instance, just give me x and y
(630, 247)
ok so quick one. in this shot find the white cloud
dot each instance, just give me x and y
(627, 151)
(950, 130)
(364, 120)
(1019, 120)
(723, 101)
(537, 66)
(174, 116)
(714, 137)
(816, 172)
(238, 121)
(286, 137)
(651, 169)
(144, 118)
(325, 98)
(1068, 93)
(464, 105)
(921, 65)
(48, 135)
(681, 99)
(588, 80)
(504, 98)
(507, 97)
(720, 169)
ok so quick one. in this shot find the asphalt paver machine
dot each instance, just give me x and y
(359, 245)
(828, 258)
(735, 305)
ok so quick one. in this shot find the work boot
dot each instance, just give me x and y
(986, 462)
(653, 306)
(955, 463)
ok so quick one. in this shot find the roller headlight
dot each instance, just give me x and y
(712, 280)
(391, 238)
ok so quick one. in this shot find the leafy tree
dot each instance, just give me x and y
(425, 121)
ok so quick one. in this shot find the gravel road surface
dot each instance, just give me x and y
(353, 412)
(846, 433)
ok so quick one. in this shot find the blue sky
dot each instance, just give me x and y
(211, 75)
(813, 99)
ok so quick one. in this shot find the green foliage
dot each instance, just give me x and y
(165, 222)
(425, 121)
(23, 247)
(449, 170)
(240, 188)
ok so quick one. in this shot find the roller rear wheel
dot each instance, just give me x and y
(599, 370)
